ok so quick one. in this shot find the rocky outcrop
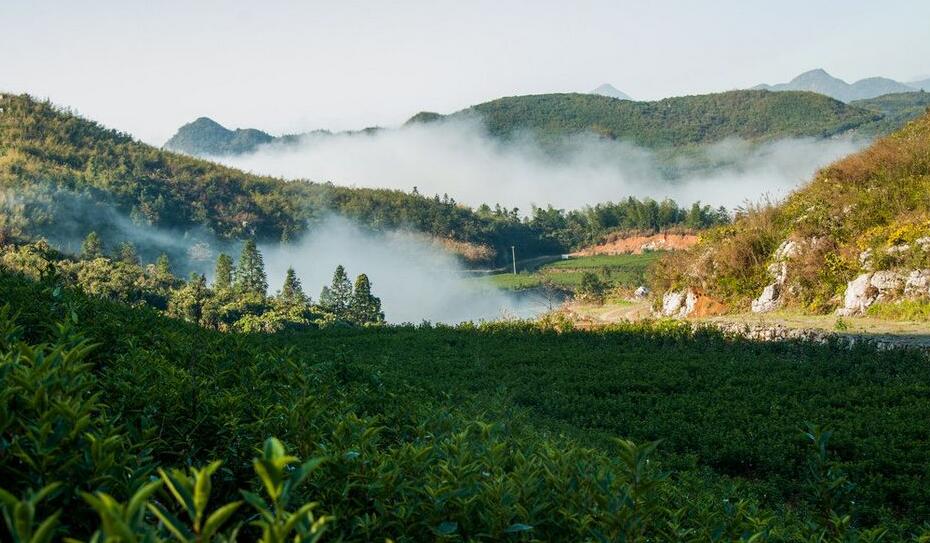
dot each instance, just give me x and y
(881, 286)
(771, 298)
(673, 303)
(691, 302)
(917, 283)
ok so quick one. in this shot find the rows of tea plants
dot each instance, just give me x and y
(119, 424)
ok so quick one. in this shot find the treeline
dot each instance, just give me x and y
(62, 176)
(236, 300)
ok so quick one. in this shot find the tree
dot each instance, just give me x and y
(188, 301)
(250, 273)
(364, 308)
(126, 252)
(292, 293)
(223, 277)
(593, 287)
(338, 295)
(163, 266)
(91, 247)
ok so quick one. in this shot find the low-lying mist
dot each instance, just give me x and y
(415, 280)
(457, 158)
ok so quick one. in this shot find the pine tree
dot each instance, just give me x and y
(223, 276)
(364, 308)
(250, 273)
(163, 266)
(126, 253)
(292, 293)
(337, 297)
(92, 247)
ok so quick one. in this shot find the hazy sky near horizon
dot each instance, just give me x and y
(148, 67)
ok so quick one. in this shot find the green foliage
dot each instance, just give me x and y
(472, 432)
(250, 273)
(337, 296)
(56, 165)
(592, 287)
(92, 247)
(364, 308)
(291, 291)
(222, 280)
(746, 114)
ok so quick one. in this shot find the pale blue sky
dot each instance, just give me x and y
(147, 67)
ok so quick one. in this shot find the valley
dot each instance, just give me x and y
(442, 291)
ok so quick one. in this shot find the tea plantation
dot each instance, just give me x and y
(119, 424)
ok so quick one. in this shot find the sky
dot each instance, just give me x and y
(148, 67)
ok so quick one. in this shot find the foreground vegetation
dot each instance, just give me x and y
(494, 432)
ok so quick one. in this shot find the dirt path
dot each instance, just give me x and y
(773, 326)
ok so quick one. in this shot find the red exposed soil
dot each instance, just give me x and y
(638, 244)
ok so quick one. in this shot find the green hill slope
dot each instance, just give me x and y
(680, 121)
(62, 176)
(866, 213)
(61, 172)
(896, 109)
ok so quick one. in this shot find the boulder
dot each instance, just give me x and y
(888, 284)
(672, 303)
(860, 294)
(768, 300)
(917, 283)
(641, 292)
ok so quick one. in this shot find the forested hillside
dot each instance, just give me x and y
(679, 121)
(62, 176)
(865, 217)
(463, 433)
(754, 115)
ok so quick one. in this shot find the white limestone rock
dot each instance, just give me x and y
(917, 283)
(768, 300)
(860, 294)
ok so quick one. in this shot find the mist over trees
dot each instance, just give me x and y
(236, 300)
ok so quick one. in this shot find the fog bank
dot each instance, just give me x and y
(415, 280)
(457, 158)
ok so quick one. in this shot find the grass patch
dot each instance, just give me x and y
(907, 310)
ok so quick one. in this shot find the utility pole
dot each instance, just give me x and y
(513, 254)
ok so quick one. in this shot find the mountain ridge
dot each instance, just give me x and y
(819, 81)
(671, 122)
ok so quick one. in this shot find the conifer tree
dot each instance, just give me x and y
(223, 276)
(337, 297)
(92, 247)
(292, 293)
(126, 253)
(364, 308)
(250, 273)
(163, 266)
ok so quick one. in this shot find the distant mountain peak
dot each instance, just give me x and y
(819, 81)
(609, 90)
(204, 136)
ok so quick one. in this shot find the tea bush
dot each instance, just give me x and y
(119, 424)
